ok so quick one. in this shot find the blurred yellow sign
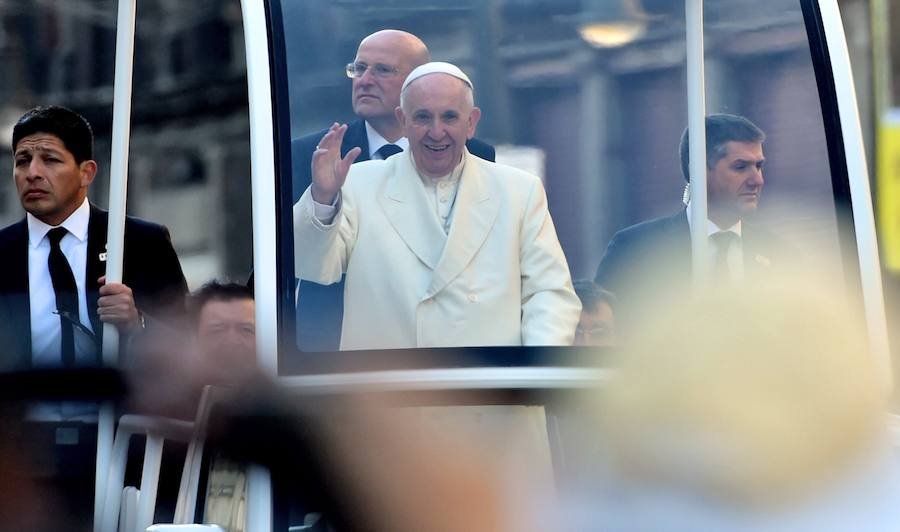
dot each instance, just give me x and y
(888, 200)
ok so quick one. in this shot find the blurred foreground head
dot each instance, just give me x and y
(747, 397)
(167, 372)
(225, 321)
(597, 324)
(372, 462)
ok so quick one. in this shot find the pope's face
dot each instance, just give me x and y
(437, 117)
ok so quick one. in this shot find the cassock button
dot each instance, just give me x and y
(473, 298)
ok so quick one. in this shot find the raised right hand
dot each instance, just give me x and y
(329, 170)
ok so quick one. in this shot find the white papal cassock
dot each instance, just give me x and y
(498, 278)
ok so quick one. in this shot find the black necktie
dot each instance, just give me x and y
(388, 150)
(723, 241)
(66, 293)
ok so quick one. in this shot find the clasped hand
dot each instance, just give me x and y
(116, 305)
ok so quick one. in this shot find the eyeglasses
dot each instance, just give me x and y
(379, 70)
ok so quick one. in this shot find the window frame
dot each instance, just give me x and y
(273, 231)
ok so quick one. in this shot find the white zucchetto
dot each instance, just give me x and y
(436, 67)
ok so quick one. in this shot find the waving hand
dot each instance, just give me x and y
(329, 170)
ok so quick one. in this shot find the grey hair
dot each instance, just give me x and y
(720, 130)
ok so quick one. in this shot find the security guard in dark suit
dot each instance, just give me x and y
(53, 295)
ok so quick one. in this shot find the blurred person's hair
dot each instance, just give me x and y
(720, 129)
(752, 396)
(592, 295)
(72, 129)
(217, 290)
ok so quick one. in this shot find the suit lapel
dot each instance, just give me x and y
(679, 238)
(16, 296)
(356, 136)
(94, 267)
(407, 208)
(756, 262)
(475, 212)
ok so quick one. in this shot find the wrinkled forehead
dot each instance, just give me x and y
(219, 310)
(41, 142)
(390, 50)
(736, 149)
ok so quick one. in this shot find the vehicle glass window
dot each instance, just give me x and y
(591, 100)
(759, 66)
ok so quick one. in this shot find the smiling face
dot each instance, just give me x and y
(735, 182)
(438, 117)
(50, 183)
(375, 97)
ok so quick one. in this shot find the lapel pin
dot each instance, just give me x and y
(103, 257)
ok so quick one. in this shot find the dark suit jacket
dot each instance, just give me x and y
(151, 269)
(648, 266)
(321, 308)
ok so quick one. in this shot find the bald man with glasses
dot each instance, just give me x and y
(383, 61)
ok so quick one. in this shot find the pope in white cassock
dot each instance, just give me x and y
(440, 248)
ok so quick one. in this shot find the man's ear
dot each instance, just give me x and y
(401, 118)
(88, 170)
(474, 117)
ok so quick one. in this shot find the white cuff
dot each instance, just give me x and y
(325, 213)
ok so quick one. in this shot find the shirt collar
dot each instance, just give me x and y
(711, 227)
(376, 141)
(76, 223)
(452, 177)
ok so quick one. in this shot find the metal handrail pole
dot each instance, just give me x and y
(118, 186)
(696, 95)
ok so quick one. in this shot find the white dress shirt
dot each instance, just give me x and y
(46, 335)
(735, 258)
(376, 141)
(442, 193)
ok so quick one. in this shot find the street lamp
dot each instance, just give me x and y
(612, 23)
